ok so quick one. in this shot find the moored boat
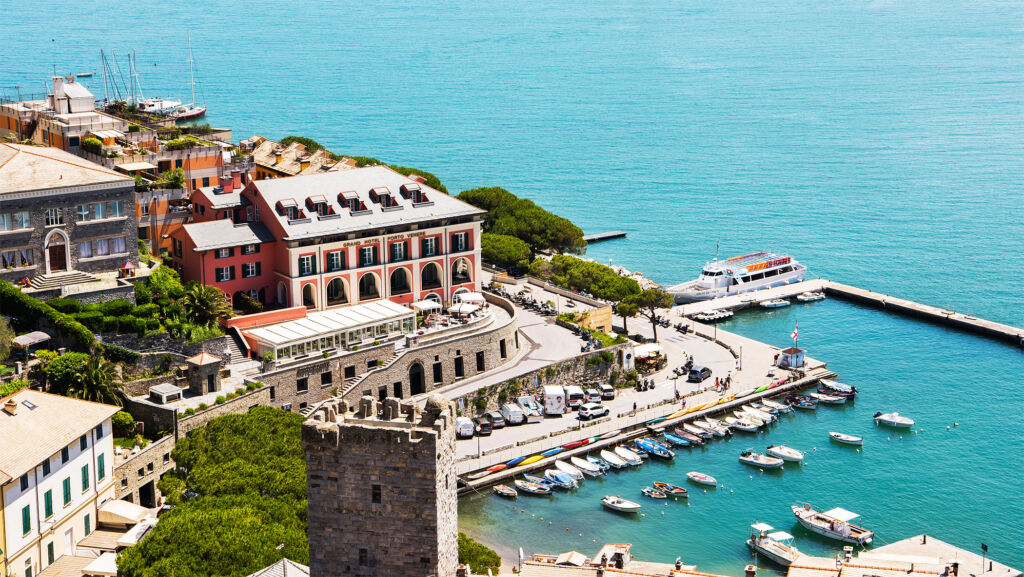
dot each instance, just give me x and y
(716, 431)
(698, 431)
(776, 546)
(738, 275)
(749, 417)
(671, 490)
(694, 439)
(765, 417)
(628, 456)
(505, 491)
(750, 457)
(741, 424)
(655, 448)
(846, 439)
(834, 524)
(827, 398)
(620, 504)
(598, 462)
(531, 487)
(802, 402)
(539, 480)
(612, 459)
(780, 407)
(569, 470)
(837, 388)
(894, 420)
(774, 303)
(560, 479)
(810, 297)
(585, 466)
(676, 440)
(653, 493)
(785, 453)
(702, 479)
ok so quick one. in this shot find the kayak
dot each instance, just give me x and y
(575, 444)
(478, 475)
(554, 451)
(608, 435)
(744, 393)
(761, 388)
(496, 468)
(530, 460)
(655, 421)
(515, 461)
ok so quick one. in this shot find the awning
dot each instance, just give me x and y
(840, 514)
(571, 558)
(105, 564)
(32, 338)
(127, 265)
(118, 512)
(463, 308)
(427, 305)
(101, 134)
(646, 351)
(780, 536)
(471, 298)
(133, 166)
(761, 527)
(136, 533)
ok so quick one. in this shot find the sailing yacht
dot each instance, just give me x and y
(189, 110)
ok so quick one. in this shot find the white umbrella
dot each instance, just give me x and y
(471, 298)
(463, 308)
(427, 305)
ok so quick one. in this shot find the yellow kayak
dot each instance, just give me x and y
(530, 460)
(676, 414)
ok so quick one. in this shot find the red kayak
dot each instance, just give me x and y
(496, 467)
(576, 444)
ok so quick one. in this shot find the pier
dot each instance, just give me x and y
(603, 236)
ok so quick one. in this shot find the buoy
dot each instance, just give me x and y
(730, 491)
(643, 514)
(947, 427)
(581, 534)
(751, 477)
(662, 513)
(956, 424)
(705, 491)
(566, 529)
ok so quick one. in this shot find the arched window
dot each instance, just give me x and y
(368, 288)
(461, 272)
(336, 293)
(282, 294)
(400, 281)
(308, 299)
(430, 276)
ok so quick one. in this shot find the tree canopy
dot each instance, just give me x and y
(522, 218)
(648, 302)
(583, 275)
(239, 487)
(504, 250)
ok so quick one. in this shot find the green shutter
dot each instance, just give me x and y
(88, 524)
(49, 553)
(85, 478)
(48, 504)
(26, 519)
(67, 491)
(101, 471)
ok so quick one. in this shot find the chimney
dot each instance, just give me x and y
(236, 179)
(227, 183)
(10, 407)
(750, 571)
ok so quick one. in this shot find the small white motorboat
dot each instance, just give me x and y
(741, 424)
(620, 504)
(846, 439)
(587, 468)
(774, 303)
(716, 423)
(628, 456)
(653, 493)
(810, 297)
(763, 415)
(699, 431)
(777, 546)
(894, 420)
(535, 488)
(569, 470)
(505, 491)
(827, 399)
(785, 453)
(750, 417)
(834, 524)
(750, 457)
(716, 431)
(702, 479)
(780, 407)
(836, 388)
(612, 459)
(560, 479)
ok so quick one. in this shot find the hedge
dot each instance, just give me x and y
(27, 311)
(118, 354)
(91, 319)
(65, 305)
(117, 307)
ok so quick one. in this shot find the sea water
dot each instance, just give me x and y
(879, 142)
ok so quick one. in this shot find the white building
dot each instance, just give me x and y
(56, 468)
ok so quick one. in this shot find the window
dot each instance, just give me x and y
(14, 221)
(459, 369)
(24, 482)
(501, 349)
(368, 256)
(64, 455)
(480, 362)
(325, 379)
(144, 208)
(99, 431)
(102, 247)
(335, 260)
(307, 265)
(251, 249)
(398, 252)
(115, 209)
(83, 442)
(350, 372)
(101, 470)
(225, 274)
(85, 478)
(16, 258)
(99, 210)
(302, 385)
(28, 568)
(85, 249)
(375, 497)
(428, 247)
(177, 247)
(26, 519)
(206, 181)
(225, 252)
(88, 524)
(460, 241)
(66, 485)
(177, 163)
(437, 373)
(49, 553)
(48, 504)
(272, 393)
(250, 269)
(54, 216)
(82, 212)
(46, 467)
(364, 557)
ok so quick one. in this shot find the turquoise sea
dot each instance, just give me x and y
(881, 142)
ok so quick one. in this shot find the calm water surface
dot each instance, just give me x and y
(880, 142)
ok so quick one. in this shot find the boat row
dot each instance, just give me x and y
(774, 457)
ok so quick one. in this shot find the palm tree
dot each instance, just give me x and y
(205, 304)
(96, 383)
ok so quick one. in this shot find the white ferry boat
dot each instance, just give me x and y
(738, 275)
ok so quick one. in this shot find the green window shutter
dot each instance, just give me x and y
(85, 478)
(67, 491)
(48, 504)
(49, 553)
(88, 524)
(101, 470)
(26, 519)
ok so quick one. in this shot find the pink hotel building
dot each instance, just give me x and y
(330, 240)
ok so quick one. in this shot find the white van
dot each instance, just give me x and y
(464, 428)
(554, 400)
(607, 392)
(531, 409)
(513, 414)
(575, 397)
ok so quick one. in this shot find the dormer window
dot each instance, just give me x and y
(289, 208)
(318, 204)
(350, 200)
(413, 192)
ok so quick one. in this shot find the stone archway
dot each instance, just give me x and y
(55, 249)
(308, 298)
(417, 386)
(461, 272)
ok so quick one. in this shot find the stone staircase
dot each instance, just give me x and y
(353, 383)
(57, 280)
(238, 353)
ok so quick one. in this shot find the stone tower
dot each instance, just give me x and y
(382, 489)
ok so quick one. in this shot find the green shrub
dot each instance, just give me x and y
(253, 385)
(91, 319)
(146, 311)
(220, 400)
(123, 421)
(134, 128)
(118, 354)
(117, 308)
(126, 324)
(203, 406)
(163, 302)
(479, 557)
(65, 305)
(93, 145)
(28, 311)
(481, 403)
(109, 324)
(14, 386)
(143, 295)
(189, 412)
(152, 324)
(231, 396)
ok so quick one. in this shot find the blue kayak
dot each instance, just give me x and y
(515, 461)
(554, 451)
(677, 440)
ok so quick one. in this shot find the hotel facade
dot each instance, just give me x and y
(330, 240)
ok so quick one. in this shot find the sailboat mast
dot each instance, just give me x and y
(191, 73)
(103, 64)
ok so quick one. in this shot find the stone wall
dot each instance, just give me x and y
(163, 342)
(382, 493)
(155, 418)
(148, 465)
(238, 405)
(140, 387)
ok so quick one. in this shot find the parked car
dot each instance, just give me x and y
(464, 428)
(483, 426)
(513, 414)
(497, 421)
(593, 396)
(698, 374)
(593, 411)
(607, 393)
(574, 397)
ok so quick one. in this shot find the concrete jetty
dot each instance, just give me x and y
(602, 236)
